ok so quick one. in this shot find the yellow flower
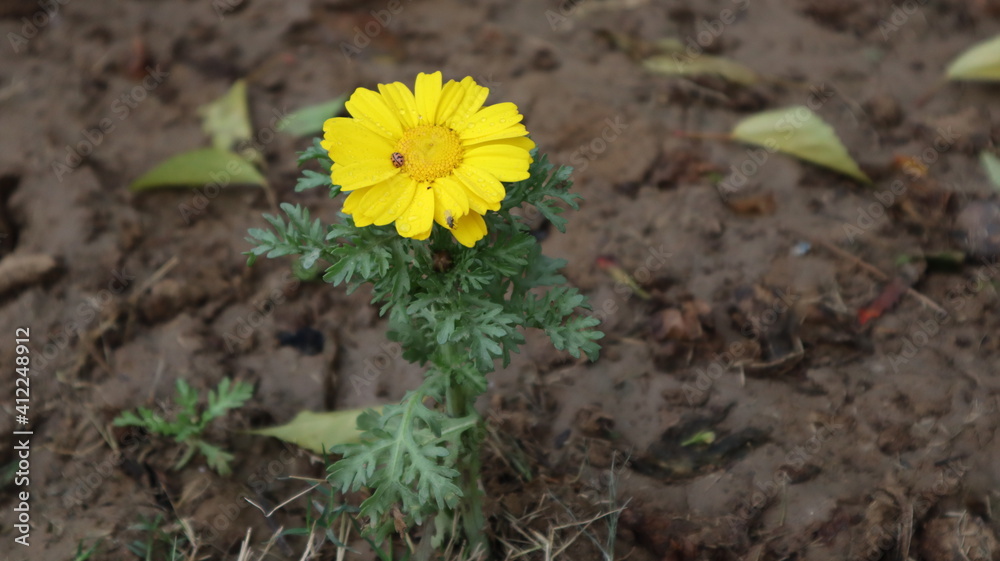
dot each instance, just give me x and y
(437, 156)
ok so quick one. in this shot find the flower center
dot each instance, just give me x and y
(430, 152)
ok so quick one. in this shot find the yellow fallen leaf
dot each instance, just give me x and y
(226, 121)
(980, 62)
(318, 432)
(680, 64)
(799, 132)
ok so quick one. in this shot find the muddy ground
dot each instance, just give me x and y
(822, 438)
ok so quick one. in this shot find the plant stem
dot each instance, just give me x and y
(461, 404)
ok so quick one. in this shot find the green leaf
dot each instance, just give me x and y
(801, 133)
(128, 419)
(402, 458)
(229, 396)
(682, 64)
(318, 432)
(701, 437)
(227, 122)
(311, 179)
(316, 152)
(199, 168)
(309, 120)
(981, 62)
(992, 166)
(215, 457)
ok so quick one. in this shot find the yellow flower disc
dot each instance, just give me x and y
(430, 152)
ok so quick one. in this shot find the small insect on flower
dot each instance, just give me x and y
(398, 160)
(449, 219)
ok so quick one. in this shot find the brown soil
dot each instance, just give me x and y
(832, 439)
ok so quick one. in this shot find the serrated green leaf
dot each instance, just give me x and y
(199, 168)
(215, 457)
(681, 64)
(310, 119)
(315, 152)
(228, 396)
(801, 133)
(319, 432)
(311, 179)
(992, 166)
(981, 62)
(226, 121)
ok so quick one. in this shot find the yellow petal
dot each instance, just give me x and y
(428, 94)
(353, 200)
(469, 229)
(348, 142)
(477, 204)
(419, 216)
(445, 210)
(399, 98)
(461, 101)
(377, 199)
(371, 110)
(452, 194)
(452, 94)
(362, 220)
(504, 161)
(355, 206)
(489, 123)
(522, 142)
(481, 183)
(359, 175)
(387, 205)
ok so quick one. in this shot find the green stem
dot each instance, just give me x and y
(460, 404)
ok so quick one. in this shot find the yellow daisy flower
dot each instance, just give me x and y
(437, 156)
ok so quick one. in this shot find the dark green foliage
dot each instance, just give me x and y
(457, 318)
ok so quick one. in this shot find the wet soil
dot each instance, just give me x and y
(806, 378)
